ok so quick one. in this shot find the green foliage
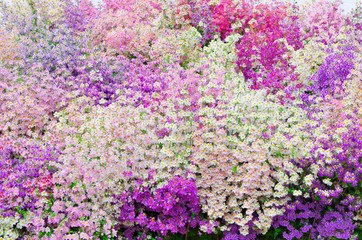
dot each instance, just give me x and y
(194, 234)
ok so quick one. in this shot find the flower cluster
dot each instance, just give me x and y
(180, 119)
(173, 208)
(26, 175)
(28, 102)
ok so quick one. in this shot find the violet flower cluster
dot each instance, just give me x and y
(173, 208)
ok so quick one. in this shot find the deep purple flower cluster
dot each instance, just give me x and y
(314, 219)
(329, 78)
(145, 83)
(234, 233)
(348, 168)
(25, 175)
(173, 208)
(330, 210)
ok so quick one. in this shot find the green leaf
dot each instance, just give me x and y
(277, 232)
(278, 154)
(19, 80)
(73, 184)
(79, 138)
(142, 115)
(21, 211)
(293, 152)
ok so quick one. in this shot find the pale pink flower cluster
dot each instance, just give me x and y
(27, 103)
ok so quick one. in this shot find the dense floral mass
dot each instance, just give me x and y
(180, 119)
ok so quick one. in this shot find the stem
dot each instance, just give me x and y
(34, 12)
(310, 231)
(187, 231)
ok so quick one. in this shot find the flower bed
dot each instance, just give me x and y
(194, 119)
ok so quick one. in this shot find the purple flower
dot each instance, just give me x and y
(173, 208)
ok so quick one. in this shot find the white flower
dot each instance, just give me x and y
(297, 193)
(327, 181)
(294, 177)
(102, 101)
(308, 180)
(314, 168)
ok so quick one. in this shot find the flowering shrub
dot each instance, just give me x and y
(173, 208)
(198, 119)
(27, 103)
(322, 20)
(26, 184)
